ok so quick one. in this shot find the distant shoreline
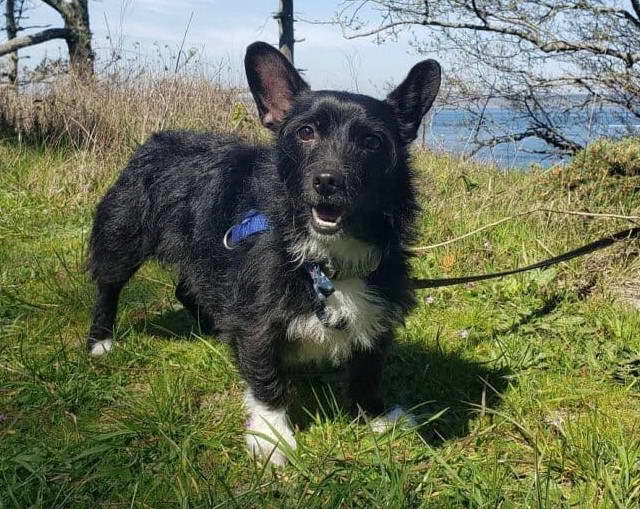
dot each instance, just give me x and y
(453, 130)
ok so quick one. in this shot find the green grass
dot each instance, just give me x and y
(527, 388)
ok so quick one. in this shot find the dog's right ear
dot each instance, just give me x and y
(273, 81)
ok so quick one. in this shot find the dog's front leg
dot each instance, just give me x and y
(268, 430)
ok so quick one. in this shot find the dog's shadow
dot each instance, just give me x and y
(423, 379)
(444, 391)
(171, 324)
(430, 381)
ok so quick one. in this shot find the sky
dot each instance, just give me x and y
(220, 30)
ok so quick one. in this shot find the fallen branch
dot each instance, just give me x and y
(417, 251)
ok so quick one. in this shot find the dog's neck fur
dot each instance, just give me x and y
(349, 257)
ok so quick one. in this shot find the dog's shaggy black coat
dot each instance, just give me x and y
(342, 154)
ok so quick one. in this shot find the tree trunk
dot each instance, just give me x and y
(285, 26)
(76, 19)
(76, 33)
(12, 32)
(80, 52)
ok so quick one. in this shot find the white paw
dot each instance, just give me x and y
(268, 432)
(394, 417)
(101, 347)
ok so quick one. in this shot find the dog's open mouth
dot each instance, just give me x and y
(327, 218)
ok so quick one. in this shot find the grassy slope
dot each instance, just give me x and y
(522, 383)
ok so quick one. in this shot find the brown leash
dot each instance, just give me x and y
(581, 251)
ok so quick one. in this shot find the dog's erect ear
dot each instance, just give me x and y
(414, 96)
(273, 81)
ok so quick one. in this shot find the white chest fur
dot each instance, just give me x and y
(355, 315)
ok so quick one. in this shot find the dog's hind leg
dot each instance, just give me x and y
(364, 380)
(364, 390)
(188, 300)
(100, 338)
(104, 316)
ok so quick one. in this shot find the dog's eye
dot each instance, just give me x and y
(372, 142)
(306, 133)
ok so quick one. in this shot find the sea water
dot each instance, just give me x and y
(454, 131)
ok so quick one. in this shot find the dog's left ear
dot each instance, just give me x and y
(273, 81)
(414, 96)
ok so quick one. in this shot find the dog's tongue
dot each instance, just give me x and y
(328, 213)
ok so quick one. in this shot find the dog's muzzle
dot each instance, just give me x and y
(326, 217)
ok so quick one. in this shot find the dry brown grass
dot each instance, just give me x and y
(108, 118)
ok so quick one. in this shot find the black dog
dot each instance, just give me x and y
(292, 253)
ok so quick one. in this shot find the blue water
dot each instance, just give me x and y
(452, 130)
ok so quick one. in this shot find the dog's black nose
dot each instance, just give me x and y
(327, 184)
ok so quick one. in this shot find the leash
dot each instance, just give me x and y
(255, 222)
(419, 284)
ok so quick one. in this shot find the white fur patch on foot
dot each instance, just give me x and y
(394, 417)
(266, 429)
(101, 347)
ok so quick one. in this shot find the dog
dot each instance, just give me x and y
(293, 252)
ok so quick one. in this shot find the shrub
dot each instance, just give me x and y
(605, 172)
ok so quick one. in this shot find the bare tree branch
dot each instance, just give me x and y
(61, 6)
(30, 40)
(551, 63)
(621, 12)
(636, 7)
(378, 30)
(556, 46)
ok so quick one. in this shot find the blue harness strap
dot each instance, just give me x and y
(253, 223)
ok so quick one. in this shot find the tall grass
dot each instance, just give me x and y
(96, 125)
(526, 388)
(111, 114)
